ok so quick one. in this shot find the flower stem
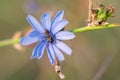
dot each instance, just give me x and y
(90, 7)
(9, 42)
(77, 30)
(90, 28)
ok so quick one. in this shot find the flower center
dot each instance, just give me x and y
(49, 36)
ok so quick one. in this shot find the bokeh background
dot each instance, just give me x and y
(96, 54)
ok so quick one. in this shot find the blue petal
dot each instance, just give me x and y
(64, 47)
(34, 33)
(64, 35)
(31, 38)
(60, 25)
(58, 53)
(45, 20)
(34, 23)
(50, 53)
(34, 53)
(58, 17)
(41, 49)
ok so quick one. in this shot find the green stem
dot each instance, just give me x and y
(9, 42)
(77, 30)
(90, 28)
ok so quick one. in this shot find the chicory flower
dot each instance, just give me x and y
(49, 35)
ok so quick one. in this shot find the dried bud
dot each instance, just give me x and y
(58, 70)
(17, 46)
(100, 15)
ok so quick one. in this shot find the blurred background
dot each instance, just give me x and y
(96, 54)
